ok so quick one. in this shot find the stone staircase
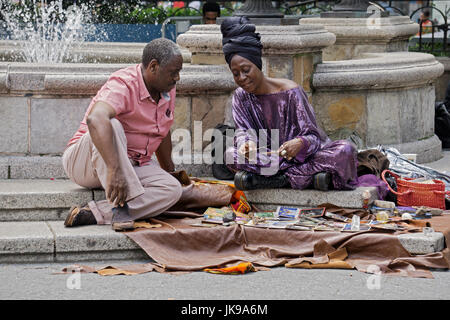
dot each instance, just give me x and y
(35, 197)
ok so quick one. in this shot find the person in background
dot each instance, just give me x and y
(425, 22)
(178, 4)
(211, 11)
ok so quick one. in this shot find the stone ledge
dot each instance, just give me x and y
(85, 79)
(363, 30)
(31, 167)
(89, 238)
(269, 199)
(378, 71)
(25, 238)
(88, 52)
(41, 194)
(279, 40)
(50, 167)
(31, 242)
(427, 150)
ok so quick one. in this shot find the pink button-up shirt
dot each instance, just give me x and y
(144, 121)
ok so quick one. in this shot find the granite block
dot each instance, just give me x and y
(420, 243)
(309, 198)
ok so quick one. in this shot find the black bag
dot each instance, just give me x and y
(442, 123)
(220, 170)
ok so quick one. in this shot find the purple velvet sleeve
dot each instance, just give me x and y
(309, 132)
(244, 129)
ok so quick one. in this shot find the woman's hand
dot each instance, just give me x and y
(291, 148)
(248, 148)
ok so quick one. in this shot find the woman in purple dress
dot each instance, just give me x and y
(270, 111)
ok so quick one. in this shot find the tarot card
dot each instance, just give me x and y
(287, 212)
(362, 227)
(324, 228)
(312, 212)
(204, 224)
(265, 215)
(387, 226)
(297, 227)
(216, 212)
(337, 217)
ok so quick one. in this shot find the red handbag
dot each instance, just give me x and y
(410, 193)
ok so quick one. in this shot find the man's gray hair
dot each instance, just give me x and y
(160, 49)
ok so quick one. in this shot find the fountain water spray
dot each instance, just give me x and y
(45, 31)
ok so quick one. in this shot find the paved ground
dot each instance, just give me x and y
(38, 281)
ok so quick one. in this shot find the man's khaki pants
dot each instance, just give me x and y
(151, 190)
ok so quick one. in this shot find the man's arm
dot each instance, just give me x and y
(164, 154)
(101, 131)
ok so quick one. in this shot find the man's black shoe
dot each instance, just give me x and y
(121, 219)
(80, 216)
(244, 180)
(322, 181)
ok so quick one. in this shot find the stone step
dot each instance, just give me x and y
(50, 241)
(50, 167)
(39, 199)
(269, 199)
(45, 199)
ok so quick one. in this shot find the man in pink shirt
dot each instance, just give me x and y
(127, 121)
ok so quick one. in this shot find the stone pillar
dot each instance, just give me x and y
(355, 36)
(288, 51)
(381, 98)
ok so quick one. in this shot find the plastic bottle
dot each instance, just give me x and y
(366, 198)
(355, 223)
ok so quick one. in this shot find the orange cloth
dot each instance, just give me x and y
(241, 268)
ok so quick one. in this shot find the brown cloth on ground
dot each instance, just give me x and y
(177, 246)
(108, 270)
(371, 161)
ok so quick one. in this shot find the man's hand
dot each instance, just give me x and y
(248, 148)
(117, 188)
(101, 131)
(291, 148)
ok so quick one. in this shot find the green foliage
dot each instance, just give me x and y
(437, 50)
(123, 12)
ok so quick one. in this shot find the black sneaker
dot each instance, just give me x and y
(244, 180)
(322, 181)
(121, 220)
(80, 216)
